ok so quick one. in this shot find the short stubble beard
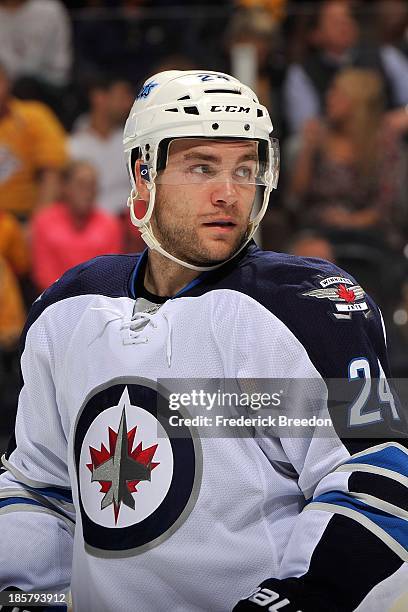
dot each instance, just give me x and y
(185, 244)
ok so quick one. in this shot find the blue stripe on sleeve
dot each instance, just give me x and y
(56, 493)
(10, 501)
(19, 500)
(390, 458)
(395, 527)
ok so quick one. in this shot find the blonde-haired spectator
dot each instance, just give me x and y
(336, 42)
(348, 169)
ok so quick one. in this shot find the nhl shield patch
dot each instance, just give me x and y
(136, 483)
(346, 297)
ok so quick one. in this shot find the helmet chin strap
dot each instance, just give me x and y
(151, 241)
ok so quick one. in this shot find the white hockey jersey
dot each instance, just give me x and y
(100, 493)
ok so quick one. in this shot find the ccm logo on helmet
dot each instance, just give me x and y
(230, 108)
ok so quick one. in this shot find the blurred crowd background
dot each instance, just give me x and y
(333, 74)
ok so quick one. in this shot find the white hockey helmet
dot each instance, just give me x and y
(194, 104)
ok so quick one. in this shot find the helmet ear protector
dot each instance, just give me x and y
(144, 172)
(195, 104)
(163, 151)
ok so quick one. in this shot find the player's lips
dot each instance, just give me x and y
(224, 225)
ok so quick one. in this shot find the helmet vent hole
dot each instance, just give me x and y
(147, 156)
(172, 110)
(191, 110)
(259, 112)
(215, 126)
(184, 98)
(227, 91)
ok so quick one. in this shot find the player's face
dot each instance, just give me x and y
(204, 198)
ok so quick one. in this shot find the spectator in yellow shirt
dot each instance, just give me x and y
(32, 151)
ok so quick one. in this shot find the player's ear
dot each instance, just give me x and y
(141, 171)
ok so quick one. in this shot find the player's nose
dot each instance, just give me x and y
(224, 193)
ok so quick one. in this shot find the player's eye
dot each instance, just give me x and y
(203, 170)
(244, 173)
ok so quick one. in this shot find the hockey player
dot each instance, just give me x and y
(100, 494)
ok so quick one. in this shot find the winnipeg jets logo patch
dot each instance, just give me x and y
(121, 484)
(347, 297)
(120, 469)
(136, 482)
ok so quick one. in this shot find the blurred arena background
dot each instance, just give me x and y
(333, 74)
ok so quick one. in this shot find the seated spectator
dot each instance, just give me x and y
(32, 152)
(35, 48)
(336, 45)
(98, 139)
(73, 230)
(347, 172)
(35, 40)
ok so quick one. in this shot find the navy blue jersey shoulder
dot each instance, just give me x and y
(282, 282)
(297, 290)
(104, 275)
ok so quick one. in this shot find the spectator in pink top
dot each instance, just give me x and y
(71, 231)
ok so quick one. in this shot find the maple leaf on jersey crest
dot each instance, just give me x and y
(346, 294)
(120, 469)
